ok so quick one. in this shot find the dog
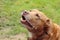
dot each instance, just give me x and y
(40, 26)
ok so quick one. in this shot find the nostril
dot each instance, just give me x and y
(30, 10)
(25, 12)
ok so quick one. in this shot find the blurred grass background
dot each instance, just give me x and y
(10, 13)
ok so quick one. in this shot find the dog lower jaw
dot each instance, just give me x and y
(25, 22)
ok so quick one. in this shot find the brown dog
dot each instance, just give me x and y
(40, 26)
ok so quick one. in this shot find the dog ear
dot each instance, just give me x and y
(47, 22)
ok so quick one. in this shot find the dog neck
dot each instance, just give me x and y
(53, 32)
(42, 34)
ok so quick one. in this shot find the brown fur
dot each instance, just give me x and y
(43, 28)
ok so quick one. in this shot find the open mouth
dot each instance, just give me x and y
(24, 21)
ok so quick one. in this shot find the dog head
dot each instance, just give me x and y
(34, 20)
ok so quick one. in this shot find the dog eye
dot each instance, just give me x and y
(37, 15)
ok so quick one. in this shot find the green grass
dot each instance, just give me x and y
(10, 12)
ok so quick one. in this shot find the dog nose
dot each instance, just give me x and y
(25, 12)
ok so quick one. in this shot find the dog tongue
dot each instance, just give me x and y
(23, 21)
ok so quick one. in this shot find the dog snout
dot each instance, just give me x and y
(25, 12)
